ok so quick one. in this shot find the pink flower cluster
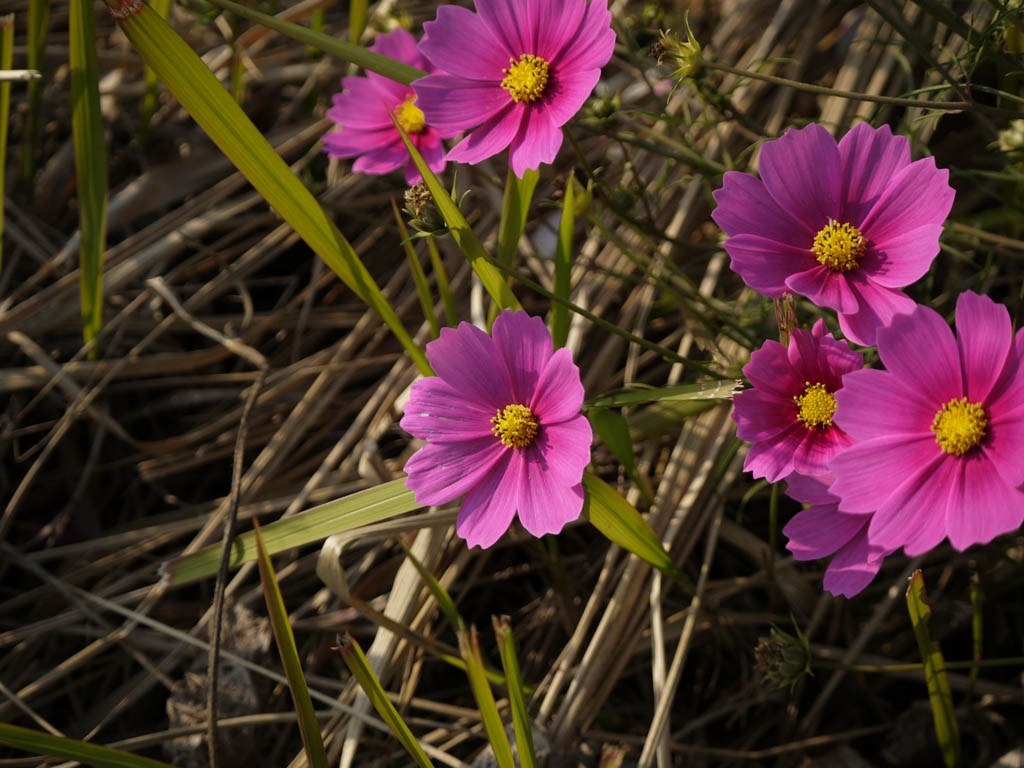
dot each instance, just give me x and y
(925, 450)
(509, 77)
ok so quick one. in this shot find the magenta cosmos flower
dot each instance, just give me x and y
(822, 530)
(503, 429)
(938, 435)
(787, 416)
(845, 225)
(363, 112)
(517, 72)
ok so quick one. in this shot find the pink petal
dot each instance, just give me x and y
(875, 403)
(744, 207)
(771, 370)
(467, 359)
(462, 44)
(454, 104)
(986, 506)
(824, 288)
(429, 145)
(352, 142)
(589, 46)
(526, 345)
(567, 93)
(507, 22)
(817, 449)
(811, 489)
(552, 494)
(879, 307)
(919, 349)
(869, 158)
(801, 171)
(984, 340)
(488, 509)
(556, 25)
(917, 195)
(537, 142)
(439, 473)
(563, 449)
(774, 460)
(490, 138)
(383, 160)
(360, 105)
(819, 531)
(437, 412)
(854, 566)
(558, 394)
(766, 265)
(762, 415)
(400, 45)
(868, 472)
(914, 515)
(903, 258)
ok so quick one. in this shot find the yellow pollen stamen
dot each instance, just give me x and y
(959, 426)
(816, 406)
(526, 79)
(409, 116)
(515, 425)
(839, 246)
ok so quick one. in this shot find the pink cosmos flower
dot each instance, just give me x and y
(517, 73)
(363, 112)
(787, 416)
(822, 530)
(845, 225)
(503, 429)
(939, 434)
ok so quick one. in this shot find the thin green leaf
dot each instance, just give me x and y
(38, 26)
(199, 92)
(6, 62)
(451, 314)
(514, 209)
(706, 390)
(611, 426)
(361, 670)
(490, 276)
(354, 54)
(39, 743)
(149, 98)
(419, 277)
(621, 524)
(521, 722)
(90, 164)
(563, 267)
(309, 728)
(470, 648)
(357, 15)
(940, 695)
(444, 600)
(977, 631)
(370, 506)
(661, 417)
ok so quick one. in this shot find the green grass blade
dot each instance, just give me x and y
(39, 743)
(312, 741)
(354, 54)
(514, 209)
(6, 62)
(419, 277)
(705, 390)
(621, 524)
(370, 506)
(361, 670)
(470, 648)
(444, 600)
(357, 15)
(200, 93)
(38, 25)
(613, 429)
(521, 722)
(451, 314)
(940, 695)
(90, 164)
(150, 97)
(563, 267)
(490, 276)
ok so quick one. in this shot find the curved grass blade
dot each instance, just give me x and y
(354, 54)
(563, 267)
(90, 165)
(38, 24)
(370, 506)
(149, 99)
(621, 524)
(444, 600)
(39, 743)
(419, 276)
(706, 390)
(361, 670)
(202, 95)
(312, 741)
(357, 14)
(522, 725)
(515, 206)
(470, 648)
(940, 695)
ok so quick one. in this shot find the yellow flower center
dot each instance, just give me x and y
(526, 79)
(959, 426)
(816, 406)
(515, 425)
(839, 246)
(409, 116)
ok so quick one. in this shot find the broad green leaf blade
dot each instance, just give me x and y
(621, 524)
(90, 164)
(312, 741)
(940, 696)
(361, 670)
(706, 390)
(370, 506)
(444, 600)
(470, 648)
(522, 725)
(514, 209)
(612, 428)
(6, 62)
(490, 276)
(200, 93)
(354, 54)
(39, 743)
(563, 267)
